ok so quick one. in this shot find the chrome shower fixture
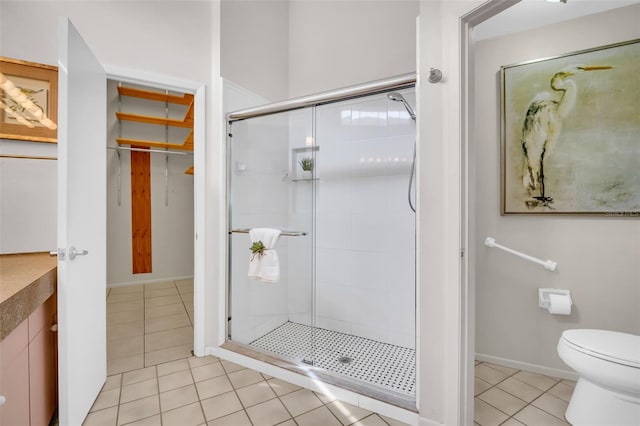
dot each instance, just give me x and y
(395, 96)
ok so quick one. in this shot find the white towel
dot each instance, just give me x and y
(265, 267)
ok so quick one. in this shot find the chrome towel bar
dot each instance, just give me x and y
(283, 233)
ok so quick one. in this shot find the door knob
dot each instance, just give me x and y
(73, 252)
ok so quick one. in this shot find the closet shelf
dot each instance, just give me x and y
(185, 99)
(154, 120)
(186, 146)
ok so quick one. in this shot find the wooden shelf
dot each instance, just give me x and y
(154, 120)
(185, 99)
(186, 146)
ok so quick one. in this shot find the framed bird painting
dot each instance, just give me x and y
(571, 133)
(28, 101)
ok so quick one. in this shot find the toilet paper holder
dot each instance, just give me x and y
(544, 300)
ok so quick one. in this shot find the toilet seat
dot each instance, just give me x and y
(612, 346)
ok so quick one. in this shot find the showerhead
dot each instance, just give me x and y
(395, 96)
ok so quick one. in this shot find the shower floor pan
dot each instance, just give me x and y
(381, 364)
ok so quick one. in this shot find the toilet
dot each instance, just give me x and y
(608, 366)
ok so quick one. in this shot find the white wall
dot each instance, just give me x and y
(27, 198)
(597, 256)
(171, 218)
(286, 48)
(130, 34)
(335, 44)
(365, 244)
(254, 46)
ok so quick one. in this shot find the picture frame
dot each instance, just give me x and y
(39, 83)
(570, 139)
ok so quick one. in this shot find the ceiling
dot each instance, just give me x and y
(529, 14)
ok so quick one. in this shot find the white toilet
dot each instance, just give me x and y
(608, 366)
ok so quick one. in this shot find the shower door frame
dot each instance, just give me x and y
(404, 81)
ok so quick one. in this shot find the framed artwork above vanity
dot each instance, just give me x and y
(28, 101)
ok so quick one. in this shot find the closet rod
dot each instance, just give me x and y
(28, 157)
(159, 151)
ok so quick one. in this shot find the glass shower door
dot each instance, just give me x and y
(335, 179)
(268, 188)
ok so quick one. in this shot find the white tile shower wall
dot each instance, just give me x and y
(301, 211)
(365, 270)
(259, 198)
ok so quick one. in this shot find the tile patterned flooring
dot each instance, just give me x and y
(509, 397)
(154, 380)
(149, 324)
(208, 391)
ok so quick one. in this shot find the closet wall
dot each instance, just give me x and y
(172, 235)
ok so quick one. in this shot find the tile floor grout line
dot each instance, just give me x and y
(308, 411)
(510, 416)
(184, 306)
(543, 392)
(238, 396)
(542, 409)
(204, 414)
(155, 367)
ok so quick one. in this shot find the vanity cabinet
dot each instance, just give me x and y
(14, 377)
(43, 363)
(28, 340)
(28, 369)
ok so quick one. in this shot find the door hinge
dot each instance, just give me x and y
(462, 254)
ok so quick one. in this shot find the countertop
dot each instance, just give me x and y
(26, 281)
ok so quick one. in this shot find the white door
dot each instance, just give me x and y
(81, 225)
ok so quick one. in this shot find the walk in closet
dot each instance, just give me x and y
(150, 201)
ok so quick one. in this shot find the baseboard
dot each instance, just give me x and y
(148, 281)
(525, 366)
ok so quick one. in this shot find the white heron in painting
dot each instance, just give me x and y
(542, 127)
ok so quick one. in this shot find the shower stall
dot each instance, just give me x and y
(332, 172)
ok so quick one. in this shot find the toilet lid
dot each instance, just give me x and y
(617, 347)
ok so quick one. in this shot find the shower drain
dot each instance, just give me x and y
(345, 360)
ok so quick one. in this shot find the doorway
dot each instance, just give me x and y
(150, 225)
